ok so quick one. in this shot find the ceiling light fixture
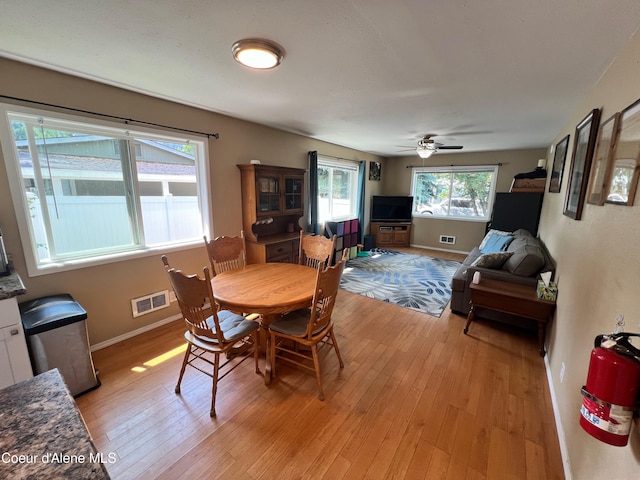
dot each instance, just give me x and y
(257, 53)
(424, 152)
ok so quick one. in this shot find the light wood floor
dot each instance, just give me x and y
(417, 399)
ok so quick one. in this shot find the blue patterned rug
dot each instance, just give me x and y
(411, 281)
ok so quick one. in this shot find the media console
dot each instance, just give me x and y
(391, 234)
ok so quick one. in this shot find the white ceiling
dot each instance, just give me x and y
(366, 74)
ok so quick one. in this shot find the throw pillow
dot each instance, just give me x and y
(490, 234)
(492, 260)
(497, 242)
(526, 262)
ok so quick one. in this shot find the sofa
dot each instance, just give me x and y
(517, 257)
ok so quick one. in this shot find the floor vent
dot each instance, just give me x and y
(447, 239)
(150, 303)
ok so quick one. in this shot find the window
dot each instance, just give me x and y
(83, 194)
(623, 170)
(337, 189)
(463, 193)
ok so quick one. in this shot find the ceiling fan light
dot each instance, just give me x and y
(257, 53)
(424, 152)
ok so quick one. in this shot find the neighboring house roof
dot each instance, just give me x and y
(184, 162)
(70, 163)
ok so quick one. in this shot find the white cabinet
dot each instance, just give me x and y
(15, 365)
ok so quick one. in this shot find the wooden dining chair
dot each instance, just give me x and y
(311, 328)
(211, 331)
(226, 253)
(316, 249)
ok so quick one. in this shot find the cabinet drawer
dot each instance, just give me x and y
(280, 259)
(9, 312)
(279, 250)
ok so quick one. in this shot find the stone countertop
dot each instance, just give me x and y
(11, 286)
(43, 435)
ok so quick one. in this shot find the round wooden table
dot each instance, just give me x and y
(269, 289)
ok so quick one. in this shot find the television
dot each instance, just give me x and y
(391, 208)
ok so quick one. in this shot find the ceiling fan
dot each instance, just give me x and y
(427, 146)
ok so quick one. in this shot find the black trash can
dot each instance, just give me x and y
(369, 242)
(56, 332)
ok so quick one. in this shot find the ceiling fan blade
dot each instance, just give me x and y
(450, 147)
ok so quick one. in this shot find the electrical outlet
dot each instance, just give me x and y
(172, 296)
(562, 370)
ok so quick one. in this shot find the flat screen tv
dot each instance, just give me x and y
(391, 208)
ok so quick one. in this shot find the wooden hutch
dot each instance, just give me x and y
(272, 205)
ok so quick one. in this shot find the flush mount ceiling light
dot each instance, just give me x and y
(257, 53)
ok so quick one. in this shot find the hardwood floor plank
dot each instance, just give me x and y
(516, 454)
(401, 463)
(448, 428)
(459, 460)
(441, 384)
(439, 464)
(338, 469)
(421, 458)
(416, 399)
(535, 461)
(497, 460)
(383, 461)
(362, 453)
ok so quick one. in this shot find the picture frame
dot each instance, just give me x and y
(375, 171)
(559, 156)
(583, 146)
(601, 167)
(623, 178)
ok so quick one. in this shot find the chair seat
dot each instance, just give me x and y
(233, 325)
(294, 323)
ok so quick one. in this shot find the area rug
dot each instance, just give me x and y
(411, 281)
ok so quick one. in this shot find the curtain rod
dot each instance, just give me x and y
(452, 165)
(337, 158)
(330, 156)
(124, 119)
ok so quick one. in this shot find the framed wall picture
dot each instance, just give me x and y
(584, 143)
(623, 178)
(558, 165)
(601, 165)
(375, 169)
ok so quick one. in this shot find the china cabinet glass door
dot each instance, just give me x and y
(268, 195)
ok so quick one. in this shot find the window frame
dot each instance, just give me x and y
(108, 128)
(328, 162)
(453, 169)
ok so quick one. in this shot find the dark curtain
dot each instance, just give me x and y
(312, 224)
(362, 170)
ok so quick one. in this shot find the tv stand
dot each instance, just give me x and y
(391, 234)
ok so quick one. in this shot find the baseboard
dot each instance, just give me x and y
(440, 249)
(564, 453)
(133, 333)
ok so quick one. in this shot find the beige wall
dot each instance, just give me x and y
(598, 277)
(426, 231)
(105, 291)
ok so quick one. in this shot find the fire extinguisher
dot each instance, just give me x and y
(611, 393)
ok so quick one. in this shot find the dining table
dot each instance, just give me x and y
(268, 289)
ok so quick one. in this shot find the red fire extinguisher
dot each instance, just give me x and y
(611, 392)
